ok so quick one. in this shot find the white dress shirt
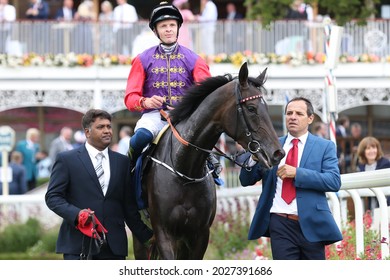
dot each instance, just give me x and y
(105, 163)
(279, 205)
(124, 16)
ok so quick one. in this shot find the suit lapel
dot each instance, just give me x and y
(307, 149)
(86, 161)
(113, 170)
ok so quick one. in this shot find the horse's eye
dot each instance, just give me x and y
(252, 109)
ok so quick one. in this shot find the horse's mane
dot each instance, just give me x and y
(194, 95)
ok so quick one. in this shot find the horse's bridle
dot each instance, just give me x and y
(242, 116)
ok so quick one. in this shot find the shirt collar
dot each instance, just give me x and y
(302, 138)
(92, 151)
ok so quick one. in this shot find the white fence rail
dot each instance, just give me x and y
(282, 37)
(18, 208)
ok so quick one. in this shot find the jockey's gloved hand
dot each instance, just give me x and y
(213, 163)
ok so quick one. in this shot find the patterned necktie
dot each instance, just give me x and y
(288, 188)
(99, 169)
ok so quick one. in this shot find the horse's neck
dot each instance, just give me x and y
(200, 131)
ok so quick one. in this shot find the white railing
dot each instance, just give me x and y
(282, 37)
(18, 208)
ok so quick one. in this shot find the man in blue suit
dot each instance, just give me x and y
(299, 229)
(75, 189)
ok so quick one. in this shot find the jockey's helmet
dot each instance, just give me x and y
(165, 11)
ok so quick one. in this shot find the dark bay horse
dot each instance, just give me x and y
(180, 189)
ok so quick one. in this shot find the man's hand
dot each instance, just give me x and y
(153, 102)
(84, 217)
(286, 171)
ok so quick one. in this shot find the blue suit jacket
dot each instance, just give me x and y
(317, 174)
(74, 186)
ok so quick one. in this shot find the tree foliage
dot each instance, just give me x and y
(341, 11)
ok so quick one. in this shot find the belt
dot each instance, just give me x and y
(288, 216)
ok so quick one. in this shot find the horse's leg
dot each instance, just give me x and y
(198, 245)
(166, 244)
(140, 251)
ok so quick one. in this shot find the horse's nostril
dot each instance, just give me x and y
(278, 155)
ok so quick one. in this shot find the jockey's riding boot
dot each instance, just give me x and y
(214, 164)
(141, 138)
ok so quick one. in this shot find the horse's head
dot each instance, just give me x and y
(251, 126)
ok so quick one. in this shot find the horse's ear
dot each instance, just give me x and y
(243, 74)
(261, 77)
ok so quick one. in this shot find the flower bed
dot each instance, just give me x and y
(105, 60)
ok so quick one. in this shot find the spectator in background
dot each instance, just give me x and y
(342, 132)
(63, 32)
(124, 142)
(371, 157)
(44, 165)
(30, 150)
(300, 10)
(208, 19)
(62, 143)
(143, 41)
(232, 13)
(320, 129)
(38, 9)
(79, 138)
(234, 36)
(124, 17)
(7, 16)
(185, 37)
(86, 17)
(342, 126)
(351, 147)
(17, 183)
(67, 12)
(106, 18)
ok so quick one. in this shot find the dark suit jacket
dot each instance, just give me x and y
(43, 11)
(74, 186)
(380, 164)
(18, 185)
(317, 174)
(60, 14)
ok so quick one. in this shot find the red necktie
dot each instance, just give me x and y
(288, 188)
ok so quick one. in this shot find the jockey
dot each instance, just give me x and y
(159, 76)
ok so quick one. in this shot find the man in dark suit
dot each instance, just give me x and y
(18, 184)
(232, 12)
(75, 188)
(66, 12)
(300, 228)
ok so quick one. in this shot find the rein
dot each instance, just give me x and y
(248, 133)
